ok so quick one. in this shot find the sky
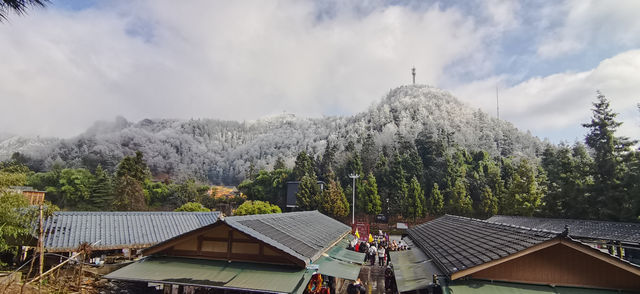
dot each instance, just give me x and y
(72, 63)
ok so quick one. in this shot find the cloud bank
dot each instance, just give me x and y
(65, 68)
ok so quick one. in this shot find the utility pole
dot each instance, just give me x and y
(497, 104)
(353, 200)
(413, 72)
(41, 246)
(498, 115)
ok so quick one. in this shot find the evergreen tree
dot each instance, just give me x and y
(328, 160)
(131, 174)
(398, 188)
(488, 203)
(460, 202)
(101, 190)
(525, 190)
(436, 201)
(415, 200)
(129, 195)
(372, 199)
(369, 154)
(609, 167)
(333, 201)
(308, 194)
(432, 152)
(304, 166)
(134, 167)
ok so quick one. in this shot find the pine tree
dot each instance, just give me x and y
(525, 190)
(436, 201)
(327, 164)
(488, 203)
(304, 166)
(415, 199)
(460, 202)
(308, 194)
(131, 174)
(333, 201)
(609, 165)
(432, 152)
(398, 188)
(369, 154)
(372, 199)
(134, 167)
(101, 190)
(129, 195)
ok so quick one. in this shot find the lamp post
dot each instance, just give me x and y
(353, 200)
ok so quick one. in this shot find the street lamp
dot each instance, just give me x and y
(353, 200)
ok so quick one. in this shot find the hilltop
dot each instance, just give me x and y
(222, 151)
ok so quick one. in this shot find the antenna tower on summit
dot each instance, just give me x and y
(413, 72)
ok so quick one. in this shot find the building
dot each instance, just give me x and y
(34, 196)
(619, 238)
(475, 256)
(118, 233)
(292, 190)
(269, 253)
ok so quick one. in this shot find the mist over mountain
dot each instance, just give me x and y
(221, 152)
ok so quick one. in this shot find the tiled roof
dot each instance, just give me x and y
(604, 230)
(304, 234)
(65, 230)
(456, 243)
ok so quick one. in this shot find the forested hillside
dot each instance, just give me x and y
(221, 152)
(419, 152)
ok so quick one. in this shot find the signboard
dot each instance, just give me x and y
(381, 218)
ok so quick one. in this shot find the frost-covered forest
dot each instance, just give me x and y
(222, 152)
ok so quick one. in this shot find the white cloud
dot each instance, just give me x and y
(232, 60)
(590, 24)
(561, 102)
(62, 70)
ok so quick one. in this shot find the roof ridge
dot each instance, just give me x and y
(567, 219)
(505, 224)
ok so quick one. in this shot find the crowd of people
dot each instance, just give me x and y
(377, 248)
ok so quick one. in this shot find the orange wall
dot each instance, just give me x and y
(215, 243)
(561, 265)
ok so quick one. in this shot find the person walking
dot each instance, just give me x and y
(372, 254)
(381, 252)
(387, 257)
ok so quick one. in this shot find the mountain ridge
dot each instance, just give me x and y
(221, 151)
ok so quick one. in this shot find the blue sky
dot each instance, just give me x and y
(93, 60)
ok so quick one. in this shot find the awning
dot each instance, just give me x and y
(336, 268)
(213, 273)
(413, 271)
(340, 252)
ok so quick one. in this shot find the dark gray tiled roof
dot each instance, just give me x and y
(604, 230)
(65, 230)
(304, 234)
(456, 243)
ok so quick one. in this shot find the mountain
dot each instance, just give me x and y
(222, 151)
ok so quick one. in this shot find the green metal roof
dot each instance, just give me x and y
(213, 273)
(340, 252)
(336, 268)
(480, 287)
(412, 269)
